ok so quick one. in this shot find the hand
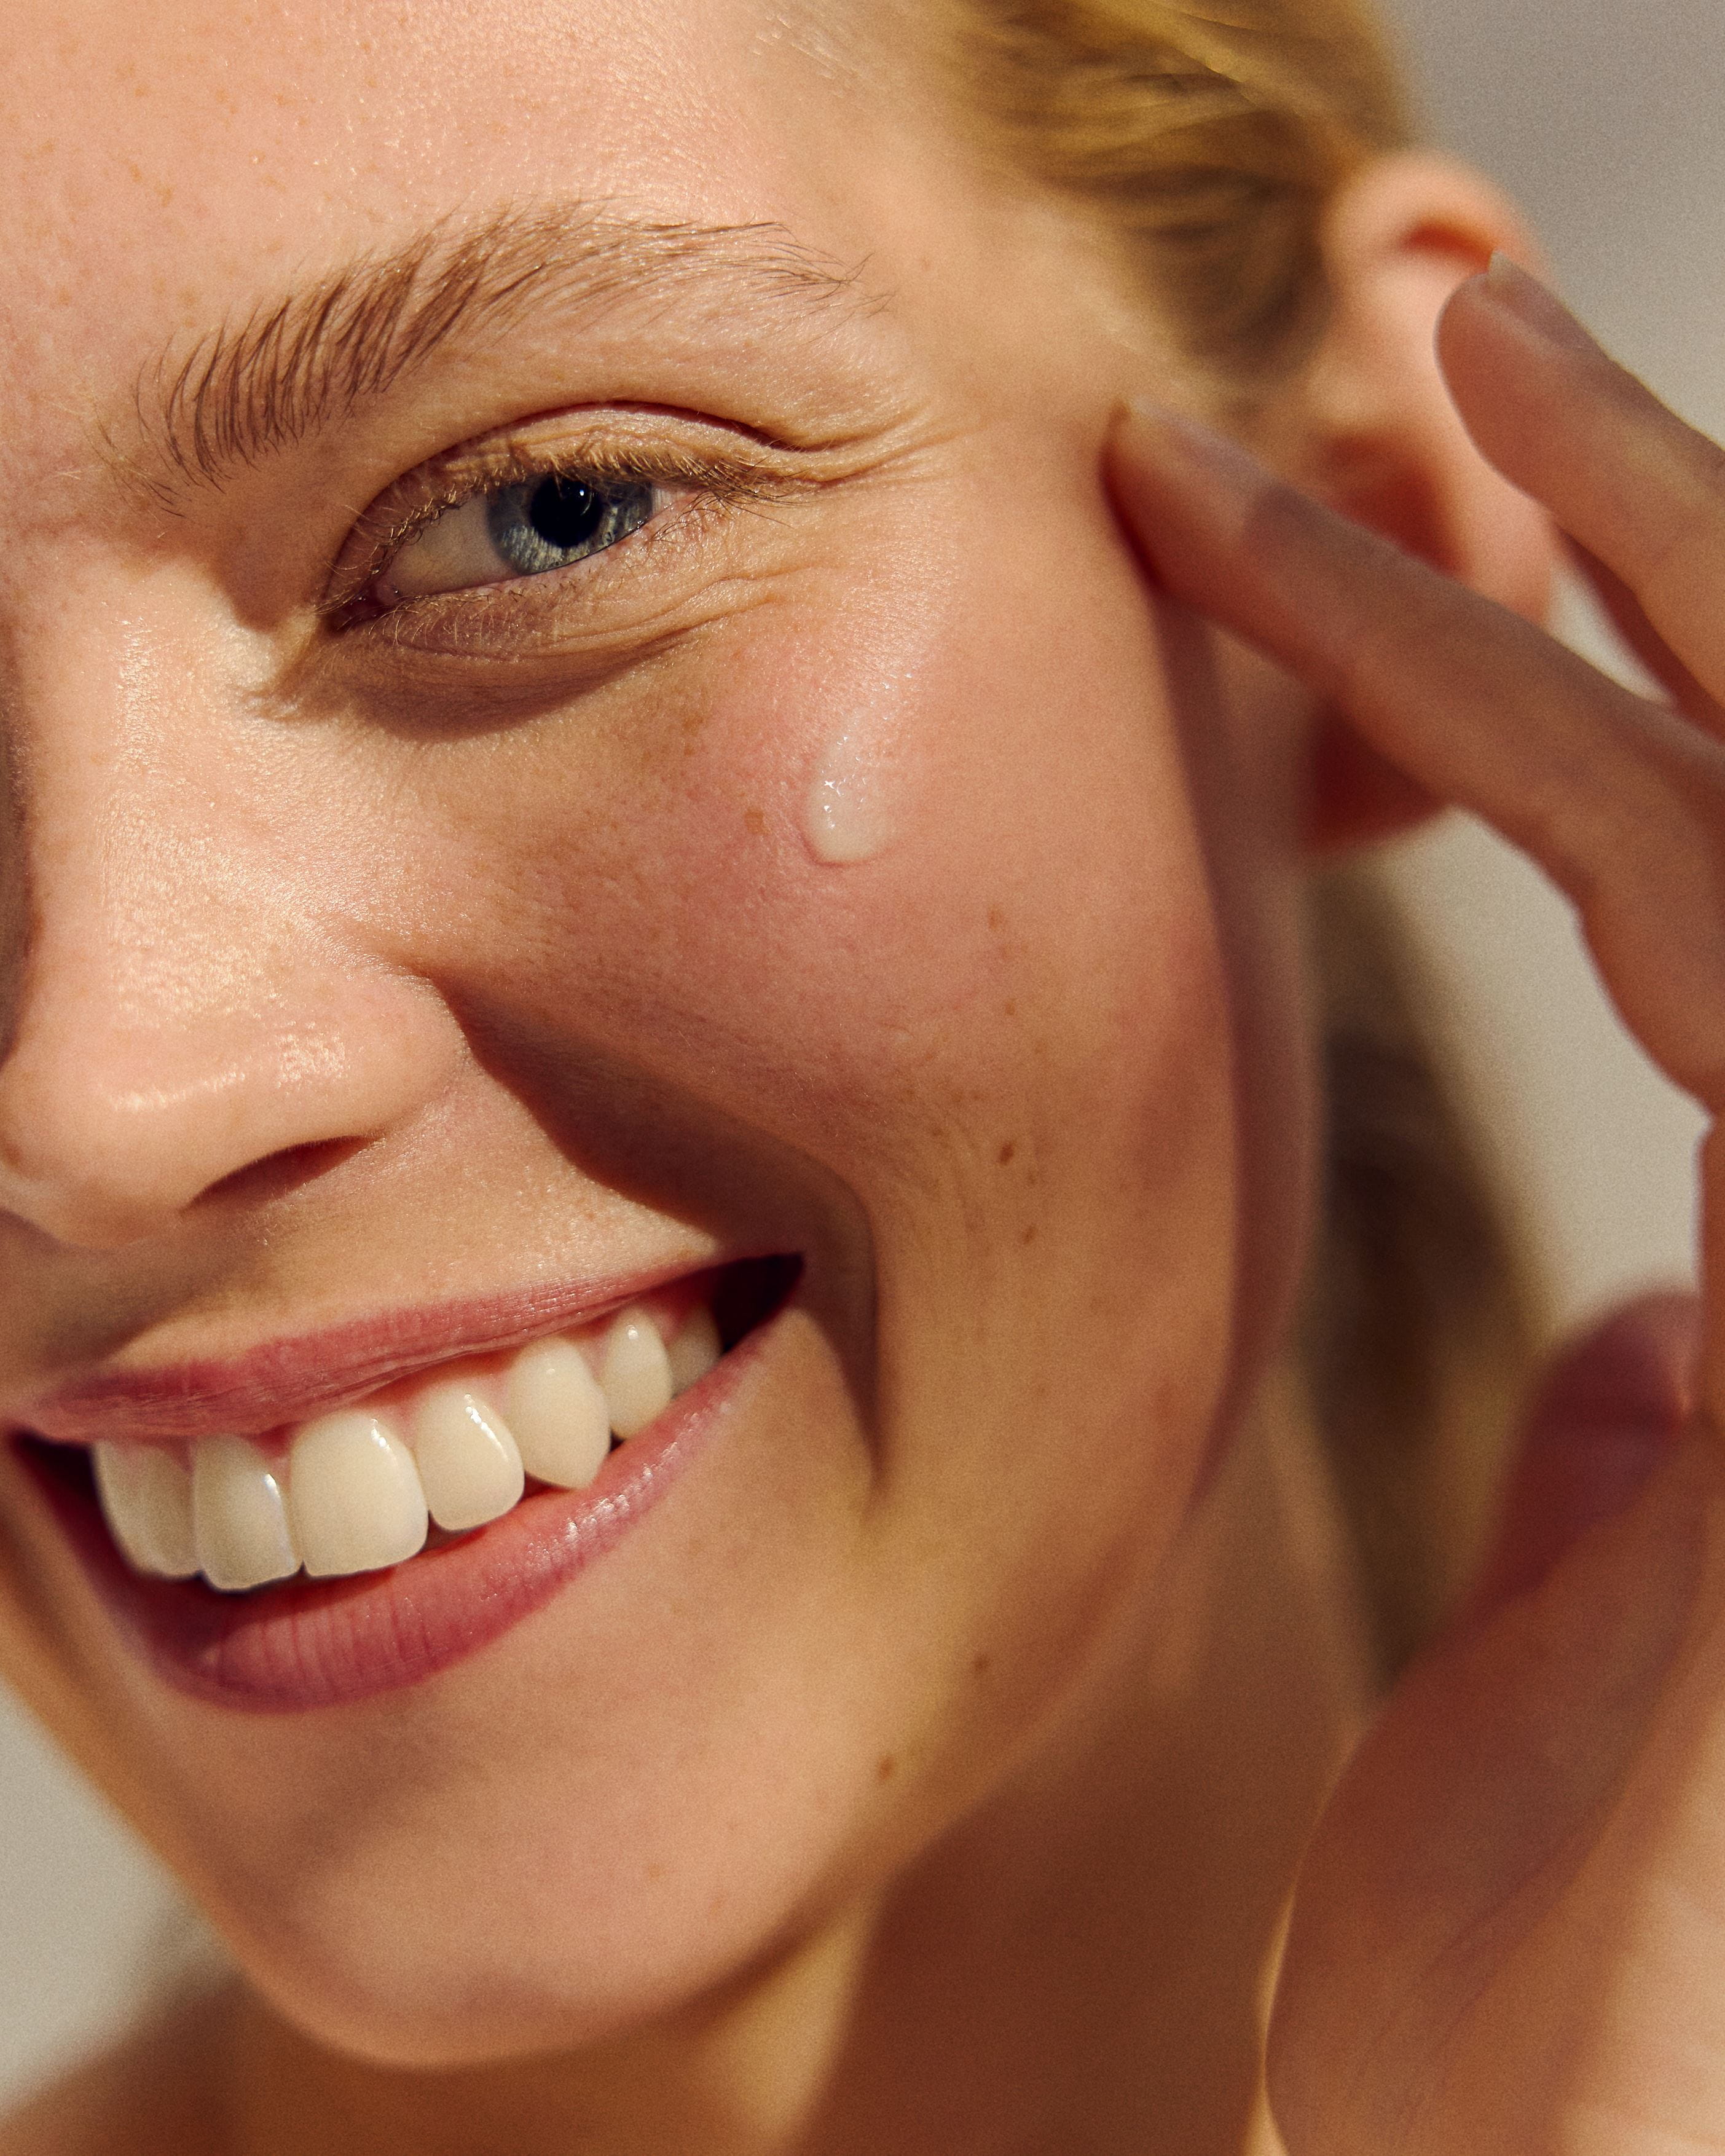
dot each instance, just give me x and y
(1509, 1935)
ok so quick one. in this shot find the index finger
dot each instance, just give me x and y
(1622, 801)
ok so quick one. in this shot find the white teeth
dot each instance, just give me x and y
(467, 1461)
(695, 1350)
(353, 1498)
(558, 1413)
(146, 1499)
(354, 1495)
(634, 1372)
(239, 1516)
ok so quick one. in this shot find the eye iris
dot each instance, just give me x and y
(547, 523)
(566, 513)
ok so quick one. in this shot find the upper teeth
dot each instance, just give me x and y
(358, 1488)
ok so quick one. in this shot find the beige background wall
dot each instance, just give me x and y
(1602, 116)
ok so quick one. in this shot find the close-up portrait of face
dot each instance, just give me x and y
(762, 1391)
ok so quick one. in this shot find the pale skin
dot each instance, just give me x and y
(929, 1773)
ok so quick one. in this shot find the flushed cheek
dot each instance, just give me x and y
(843, 854)
(903, 875)
(996, 1013)
(997, 1017)
(1001, 1011)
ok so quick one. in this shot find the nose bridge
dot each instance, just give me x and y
(178, 1010)
(148, 899)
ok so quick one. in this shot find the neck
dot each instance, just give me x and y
(1083, 1962)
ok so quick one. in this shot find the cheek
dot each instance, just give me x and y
(1000, 1023)
(847, 870)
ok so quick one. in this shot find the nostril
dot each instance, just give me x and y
(111, 1131)
(282, 1172)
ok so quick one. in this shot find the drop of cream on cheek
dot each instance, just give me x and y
(846, 816)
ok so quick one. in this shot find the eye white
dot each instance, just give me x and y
(522, 530)
(452, 553)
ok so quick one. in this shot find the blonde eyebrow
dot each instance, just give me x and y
(249, 389)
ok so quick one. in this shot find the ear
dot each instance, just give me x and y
(1369, 428)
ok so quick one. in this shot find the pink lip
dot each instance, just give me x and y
(312, 1644)
(285, 1380)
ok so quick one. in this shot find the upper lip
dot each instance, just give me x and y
(282, 1381)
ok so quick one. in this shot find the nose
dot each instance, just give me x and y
(184, 1002)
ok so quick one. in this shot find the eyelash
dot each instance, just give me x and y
(706, 480)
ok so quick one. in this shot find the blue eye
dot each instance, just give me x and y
(547, 523)
(518, 531)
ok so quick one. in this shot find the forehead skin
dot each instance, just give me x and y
(178, 165)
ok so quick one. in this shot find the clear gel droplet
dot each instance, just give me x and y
(844, 816)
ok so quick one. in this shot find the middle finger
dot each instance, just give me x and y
(1622, 474)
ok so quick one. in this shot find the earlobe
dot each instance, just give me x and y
(1370, 429)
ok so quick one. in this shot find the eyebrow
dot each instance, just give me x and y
(249, 389)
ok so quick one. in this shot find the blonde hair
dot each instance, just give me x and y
(1208, 139)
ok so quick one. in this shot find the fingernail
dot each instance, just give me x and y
(1559, 1489)
(1179, 439)
(1534, 304)
(1608, 1415)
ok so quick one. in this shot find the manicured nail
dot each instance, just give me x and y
(1607, 1415)
(1534, 306)
(1188, 441)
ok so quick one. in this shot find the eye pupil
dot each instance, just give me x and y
(566, 513)
(547, 523)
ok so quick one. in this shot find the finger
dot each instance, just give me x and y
(1620, 801)
(1470, 1966)
(1631, 624)
(1620, 472)
(1609, 1409)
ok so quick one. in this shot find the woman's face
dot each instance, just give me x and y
(417, 944)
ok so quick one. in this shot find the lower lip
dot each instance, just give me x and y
(328, 1643)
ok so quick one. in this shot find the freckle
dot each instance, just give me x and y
(997, 919)
(655, 1872)
(887, 1767)
(1006, 1153)
(755, 820)
(1010, 1008)
(1029, 1234)
(981, 1665)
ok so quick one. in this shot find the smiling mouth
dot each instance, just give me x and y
(416, 1463)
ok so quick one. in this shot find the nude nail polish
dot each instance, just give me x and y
(1534, 306)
